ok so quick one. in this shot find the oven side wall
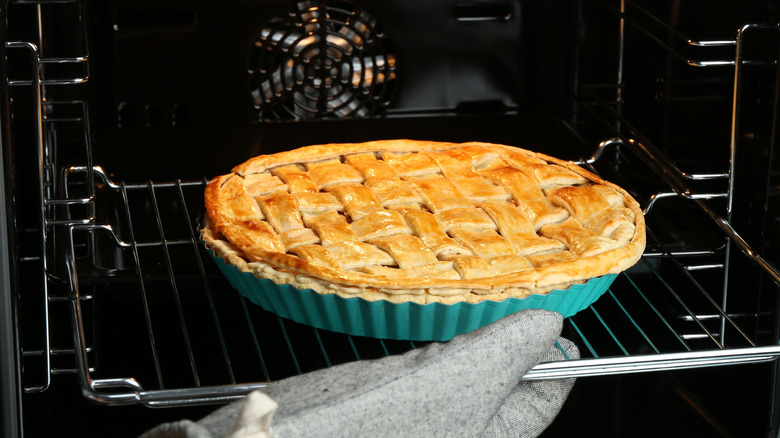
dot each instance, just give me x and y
(10, 378)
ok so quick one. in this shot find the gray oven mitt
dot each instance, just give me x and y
(469, 386)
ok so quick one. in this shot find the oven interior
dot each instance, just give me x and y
(118, 113)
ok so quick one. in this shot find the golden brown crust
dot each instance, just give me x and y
(314, 153)
(239, 221)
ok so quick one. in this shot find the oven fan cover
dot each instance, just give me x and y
(321, 60)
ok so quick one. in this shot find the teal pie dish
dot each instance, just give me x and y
(403, 321)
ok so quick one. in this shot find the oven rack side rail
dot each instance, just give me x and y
(693, 52)
(605, 110)
(49, 70)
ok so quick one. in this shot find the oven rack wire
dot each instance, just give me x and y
(698, 337)
(657, 316)
(688, 329)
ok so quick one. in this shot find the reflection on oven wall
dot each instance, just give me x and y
(213, 62)
(189, 70)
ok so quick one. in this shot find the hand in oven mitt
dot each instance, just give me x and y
(469, 386)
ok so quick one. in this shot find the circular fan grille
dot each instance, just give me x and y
(321, 60)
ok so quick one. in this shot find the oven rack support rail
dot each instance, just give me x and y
(46, 71)
(674, 41)
(630, 138)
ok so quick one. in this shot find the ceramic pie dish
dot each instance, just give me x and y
(418, 240)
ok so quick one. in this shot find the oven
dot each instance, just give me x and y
(116, 113)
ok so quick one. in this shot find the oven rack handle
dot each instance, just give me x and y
(105, 391)
(127, 390)
(658, 362)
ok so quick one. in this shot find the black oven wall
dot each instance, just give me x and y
(172, 79)
(153, 98)
(10, 383)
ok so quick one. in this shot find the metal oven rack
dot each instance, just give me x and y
(123, 262)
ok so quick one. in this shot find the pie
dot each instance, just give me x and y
(421, 221)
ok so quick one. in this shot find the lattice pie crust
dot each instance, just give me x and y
(421, 221)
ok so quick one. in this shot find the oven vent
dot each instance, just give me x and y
(321, 60)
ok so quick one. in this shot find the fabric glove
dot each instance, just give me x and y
(468, 386)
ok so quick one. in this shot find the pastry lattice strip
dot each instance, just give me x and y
(438, 216)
